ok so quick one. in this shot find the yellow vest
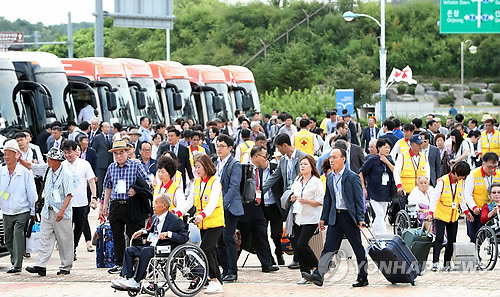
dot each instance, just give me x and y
(191, 155)
(304, 141)
(323, 180)
(490, 146)
(178, 177)
(170, 192)
(216, 219)
(409, 173)
(246, 147)
(444, 210)
(403, 146)
(480, 192)
(323, 125)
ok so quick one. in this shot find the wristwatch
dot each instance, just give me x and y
(94, 197)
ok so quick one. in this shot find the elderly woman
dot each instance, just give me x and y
(490, 210)
(377, 173)
(420, 197)
(444, 152)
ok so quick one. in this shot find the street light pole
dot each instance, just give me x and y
(473, 50)
(383, 55)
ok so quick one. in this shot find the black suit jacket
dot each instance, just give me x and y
(52, 141)
(354, 136)
(435, 164)
(91, 157)
(366, 137)
(357, 158)
(91, 139)
(173, 224)
(101, 146)
(183, 156)
(41, 141)
(276, 188)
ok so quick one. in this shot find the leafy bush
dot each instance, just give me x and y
(411, 90)
(496, 102)
(447, 100)
(474, 102)
(468, 95)
(446, 88)
(489, 97)
(436, 85)
(496, 88)
(401, 89)
(476, 90)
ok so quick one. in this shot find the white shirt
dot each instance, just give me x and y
(161, 221)
(312, 189)
(417, 197)
(38, 152)
(436, 195)
(398, 166)
(20, 190)
(337, 188)
(82, 173)
(58, 143)
(215, 194)
(220, 166)
(86, 114)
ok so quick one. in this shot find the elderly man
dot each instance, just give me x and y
(166, 229)
(17, 201)
(120, 176)
(56, 222)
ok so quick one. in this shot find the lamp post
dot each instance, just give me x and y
(473, 50)
(349, 16)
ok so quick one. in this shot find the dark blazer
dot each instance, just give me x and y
(393, 138)
(352, 193)
(281, 172)
(276, 188)
(101, 146)
(366, 137)
(173, 224)
(91, 139)
(51, 142)
(91, 157)
(435, 164)
(354, 136)
(153, 166)
(231, 188)
(357, 158)
(183, 156)
(41, 141)
(140, 205)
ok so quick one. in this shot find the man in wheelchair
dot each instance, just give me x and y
(166, 229)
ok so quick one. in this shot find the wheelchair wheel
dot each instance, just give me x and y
(401, 223)
(155, 266)
(187, 270)
(487, 248)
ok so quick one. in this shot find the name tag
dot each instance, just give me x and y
(153, 238)
(385, 179)
(57, 196)
(121, 187)
(258, 195)
(453, 205)
(447, 192)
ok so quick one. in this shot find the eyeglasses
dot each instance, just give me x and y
(491, 166)
(221, 146)
(495, 192)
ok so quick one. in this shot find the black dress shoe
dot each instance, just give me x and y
(14, 270)
(63, 272)
(360, 283)
(230, 278)
(314, 277)
(270, 269)
(281, 261)
(294, 265)
(42, 271)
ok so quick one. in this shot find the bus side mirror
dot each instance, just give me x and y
(141, 99)
(177, 101)
(111, 101)
(247, 102)
(47, 101)
(217, 103)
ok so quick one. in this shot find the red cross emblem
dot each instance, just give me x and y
(304, 142)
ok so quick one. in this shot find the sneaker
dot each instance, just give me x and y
(214, 287)
(447, 268)
(90, 247)
(115, 270)
(303, 281)
(435, 267)
(130, 284)
(118, 282)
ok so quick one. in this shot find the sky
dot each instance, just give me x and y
(52, 12)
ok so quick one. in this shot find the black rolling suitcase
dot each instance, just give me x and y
(394, 259)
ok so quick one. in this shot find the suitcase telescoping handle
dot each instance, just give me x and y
(371, 241)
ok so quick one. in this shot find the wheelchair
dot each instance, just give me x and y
(406, 218)
(184, 270)
(487, 239)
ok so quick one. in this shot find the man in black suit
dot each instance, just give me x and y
(166, 229)
(355, 155)
(57, 138)
(270, 201)
(134, 135)
(94, 130)
(388, 127)
(102, 144)
(343, 212)
(369, 133)
(41, 139)
(352, 129)
(433, 157)
(182, 153)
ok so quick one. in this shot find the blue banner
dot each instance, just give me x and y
(345, 100)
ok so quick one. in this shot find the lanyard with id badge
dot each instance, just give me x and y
(6, 193)
(385, 176)
(56, 194)
(121, 185)
(153, 237)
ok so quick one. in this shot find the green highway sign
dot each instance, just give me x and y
(470, 16)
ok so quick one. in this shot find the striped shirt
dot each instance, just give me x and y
(129, 172)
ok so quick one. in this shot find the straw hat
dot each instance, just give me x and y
(118, 146)
(486, 117)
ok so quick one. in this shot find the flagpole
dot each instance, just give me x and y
(383, 54)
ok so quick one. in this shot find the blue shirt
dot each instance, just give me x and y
(146, 135)
(129, 172)
(268, 196)
(337, 189)
(373, 169)
(20, 190)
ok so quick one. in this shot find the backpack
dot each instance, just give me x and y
(247, 184)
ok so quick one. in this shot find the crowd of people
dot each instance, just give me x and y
(253, 174)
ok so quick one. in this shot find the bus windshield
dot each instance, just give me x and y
(125, 112)
(188, 110)
(56, 82)
(8, 80)
(153, 108)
